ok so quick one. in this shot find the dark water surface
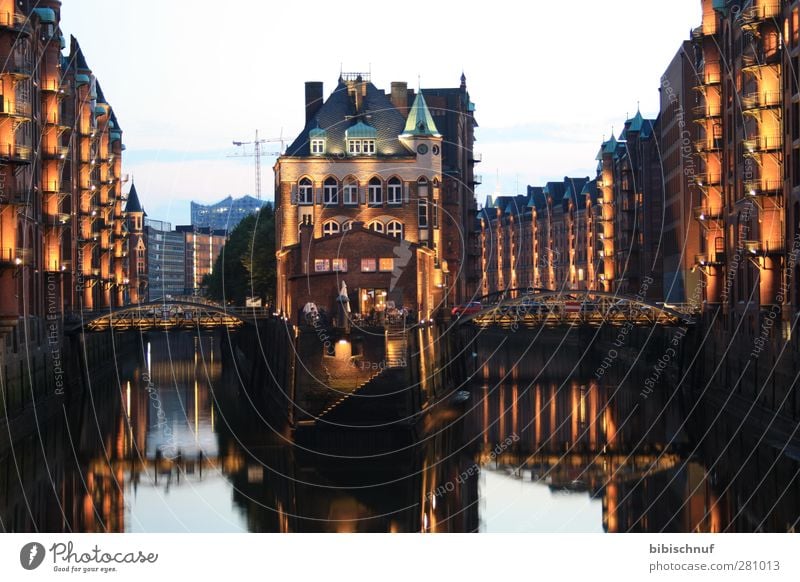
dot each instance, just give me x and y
(170, 442)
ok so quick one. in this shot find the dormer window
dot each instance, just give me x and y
(317, 146)
(316, 139)
(361, 139)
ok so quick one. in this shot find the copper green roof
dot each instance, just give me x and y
(46, 15)
(82, 79)
(636, 122)
(360, 131)
(317, 132)
(420, 121)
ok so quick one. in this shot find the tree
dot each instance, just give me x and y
(246, 267)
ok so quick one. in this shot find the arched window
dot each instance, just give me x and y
(376, 226)
(330, 227)
(305, 192)
(422, 187)
(350, 191)
(330, 191)
(347, 225)
(394, 191)
(375, 192)
(395, 229)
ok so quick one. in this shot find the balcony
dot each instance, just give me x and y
(706, 111)
(54, 119)
(57, 220)
(55, 86)
(708, 145)
(476, 179)
(751, 62)
(55, 152)
(763, 188)
(15, 153)
(475, 158)
(15, 22)
(15, 66)
(704, 213)
(15, 257)
(51, 186)
(717, 258)
(762, 144)
(17, 109)
(709, 181)
(761, 100)
(16, 198)
(752, 16)
(708, 74)
(757, 247)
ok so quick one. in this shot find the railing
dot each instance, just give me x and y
(55, 152)
(57, 219)
(763, 187)
(757, 247)
(477, 179)
(51, 186)
(709, 180)
(755, 14)
(708, 145)
(760, 58)
(476, 158)
(16, 108)
(16, 197)
(761, 99)
(710, 73)
(14, 64)
(707, 110)
(15, 152)
(15, 256)
(762, 143)
(12, 20)
(703, 213)
(55, 86)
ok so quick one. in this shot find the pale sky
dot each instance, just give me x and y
(549, 79)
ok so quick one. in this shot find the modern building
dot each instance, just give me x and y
(166, 260)
(63, 226)
(369, 193)
(202, 246)
(225, 214)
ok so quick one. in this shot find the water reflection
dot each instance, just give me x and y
(178, 444)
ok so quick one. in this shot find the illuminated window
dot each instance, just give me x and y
(386, 264)
(368, 266)
(375, 192)
(376, 226)
(322, 265)
(435, 214)
(394, 191)
(330, 227)
(305, 192)
(350, 192)
(369, 146)
(354, 146)
(330, 191)
(422, 187)
(340, 265)
(317, 146)
(395, 229)
(423, 213)
(347, 225)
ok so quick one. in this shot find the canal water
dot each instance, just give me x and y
(170, 441)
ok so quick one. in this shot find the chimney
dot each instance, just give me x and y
(313, 98)
(399, 96)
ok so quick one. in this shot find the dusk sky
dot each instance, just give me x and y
(547, 89)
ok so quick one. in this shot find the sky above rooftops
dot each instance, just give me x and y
(185, 80)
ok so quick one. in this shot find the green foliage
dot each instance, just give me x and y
(246, 267)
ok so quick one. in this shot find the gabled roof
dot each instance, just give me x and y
(591, 191)
(420, 121)
(536, 197)
(338, 113)
(133, 204)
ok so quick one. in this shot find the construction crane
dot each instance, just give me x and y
(257, 153)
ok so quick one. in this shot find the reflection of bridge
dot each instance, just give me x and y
(524, 307)
(165, 315)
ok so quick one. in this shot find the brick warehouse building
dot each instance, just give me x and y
(373, 193)
(63, 226)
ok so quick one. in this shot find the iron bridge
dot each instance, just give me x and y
(530, 308)
(165, 315)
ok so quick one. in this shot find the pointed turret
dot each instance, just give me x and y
(419, 121)
(133, 204)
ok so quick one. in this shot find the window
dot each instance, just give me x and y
(354, 146)
(351, 192)
(340, 265)
(357, 147)
(423, 213)
(330, 227)
(347, 225)
(395, 229)
(395, 191)
(369, 146)
(322, 265)
(376, 226)
(368, 266)
(330, 191)
(317, 146)
(386, 264)
(375, 192)
(435, 214)
(422, 187)
(305, 192)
